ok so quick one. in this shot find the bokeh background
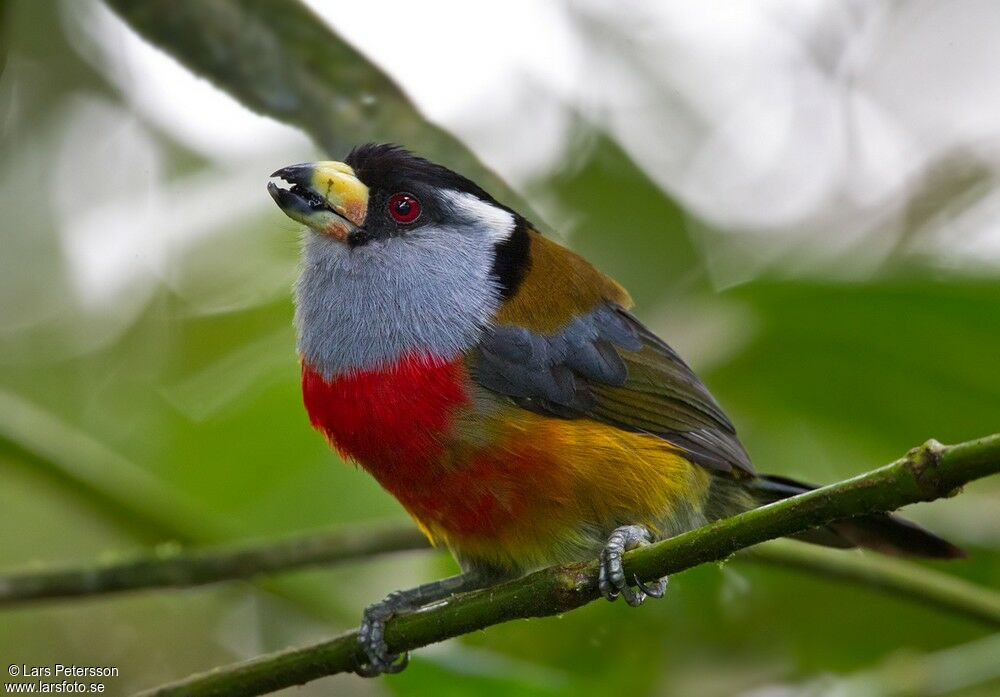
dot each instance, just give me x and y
(802, 196)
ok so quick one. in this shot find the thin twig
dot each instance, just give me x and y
(173, 566)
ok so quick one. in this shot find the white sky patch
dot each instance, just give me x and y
(107, 222)
(488, 71)
(186, 106)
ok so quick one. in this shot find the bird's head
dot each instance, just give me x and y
(382, 192)
(394, 238)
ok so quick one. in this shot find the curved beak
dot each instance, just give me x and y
(326, 196)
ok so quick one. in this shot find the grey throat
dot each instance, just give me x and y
(426, 292)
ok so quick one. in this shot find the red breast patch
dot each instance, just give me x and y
(392, 419)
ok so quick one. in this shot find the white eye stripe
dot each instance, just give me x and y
(498, 223)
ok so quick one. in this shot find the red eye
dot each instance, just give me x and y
(404, 208)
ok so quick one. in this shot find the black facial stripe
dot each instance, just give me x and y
(512, 260)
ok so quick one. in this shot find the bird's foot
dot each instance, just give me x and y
(612, 580)
(371, 636)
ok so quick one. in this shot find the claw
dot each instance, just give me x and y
(651, 591)
(393, 663)
(633, 597)
(611, 578)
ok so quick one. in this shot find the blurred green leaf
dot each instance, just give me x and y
(620, 219)
(870, 365)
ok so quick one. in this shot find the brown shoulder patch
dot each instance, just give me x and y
(558, 286)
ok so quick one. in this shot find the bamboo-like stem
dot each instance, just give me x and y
(926, 473)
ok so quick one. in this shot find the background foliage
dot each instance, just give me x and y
(169, 411)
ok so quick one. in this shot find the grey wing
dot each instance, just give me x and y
(608, 367)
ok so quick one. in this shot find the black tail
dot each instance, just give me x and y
(883, 532)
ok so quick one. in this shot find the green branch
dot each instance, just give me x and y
(926, 473)
(173, 566)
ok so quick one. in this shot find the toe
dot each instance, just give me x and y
(371, 636)
(603, 584)
(397, 662)
(611, 578)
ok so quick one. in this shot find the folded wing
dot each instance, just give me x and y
(605, 365)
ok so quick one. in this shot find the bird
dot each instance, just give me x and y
(499, 386)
